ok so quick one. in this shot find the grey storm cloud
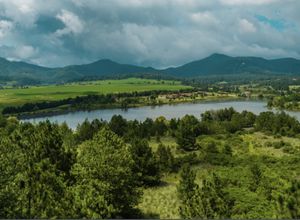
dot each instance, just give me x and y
(146, 32)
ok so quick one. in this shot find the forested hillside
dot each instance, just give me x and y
(226, 165)
(216, 64)
(219, 64)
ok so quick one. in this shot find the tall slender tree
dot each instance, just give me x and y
(105, 183)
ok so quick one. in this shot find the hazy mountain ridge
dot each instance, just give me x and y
(222, 64)
(216, 64)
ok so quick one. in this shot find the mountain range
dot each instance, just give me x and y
(216, 64)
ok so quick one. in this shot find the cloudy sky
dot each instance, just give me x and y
(156, 33)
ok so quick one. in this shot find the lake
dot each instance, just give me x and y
(168, 111)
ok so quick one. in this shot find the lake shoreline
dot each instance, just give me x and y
(57, 111)
(168, 111)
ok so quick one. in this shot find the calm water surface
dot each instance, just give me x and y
(169, 111)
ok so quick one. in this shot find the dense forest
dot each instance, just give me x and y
(102, 169)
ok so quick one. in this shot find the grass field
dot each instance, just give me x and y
(55, 92)
(161, 202)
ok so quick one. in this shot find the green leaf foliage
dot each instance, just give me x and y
(105, 183)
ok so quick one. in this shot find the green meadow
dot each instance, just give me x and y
(17, 96)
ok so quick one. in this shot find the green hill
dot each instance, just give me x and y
(221, 64)
(216, 64)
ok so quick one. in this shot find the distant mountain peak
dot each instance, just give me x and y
(103, 61)
(218, 55)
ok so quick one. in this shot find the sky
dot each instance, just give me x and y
(157, 33)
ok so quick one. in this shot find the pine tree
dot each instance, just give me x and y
(146, 167)
(188, 131)
(105, 183)
(42, 192)
(206, 202)
(186, 191)
(165, 158)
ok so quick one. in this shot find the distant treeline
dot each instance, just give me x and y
(83, 101)
(288, 101)
(30, 107)
(277, 81)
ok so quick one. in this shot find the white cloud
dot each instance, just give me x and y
(20, 11)
(247, 2)
(204, 18)
(25, 52)
(246, 26)
(5, 27)
(72, 22)
(147, 32)
(20, 52)
(25, 8)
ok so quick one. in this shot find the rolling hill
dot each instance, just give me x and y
(25, 73)
(22, 72)
(221, 64)
(216, 64)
